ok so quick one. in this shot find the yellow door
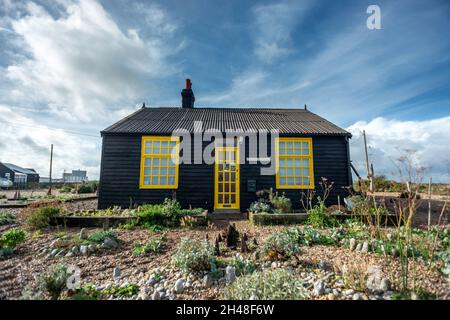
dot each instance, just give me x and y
(226, 189)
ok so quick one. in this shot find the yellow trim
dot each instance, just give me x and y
(152, 156)
(294, 156)
(236, 204)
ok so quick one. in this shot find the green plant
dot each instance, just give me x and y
(242, 266)
(259, 207)
(318, 216)
(41, 217)
(12, 238)
(100, 236)
(281, 245)
(194, 255)
(7, 218)
(153, 245)
(128, 290)
(278, 284)
(54, 281)
(65, 189)
(281, 204)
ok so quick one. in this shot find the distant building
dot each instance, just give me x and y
(75, 176)
(21, 177)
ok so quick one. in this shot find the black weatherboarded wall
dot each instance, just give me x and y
(120, 170)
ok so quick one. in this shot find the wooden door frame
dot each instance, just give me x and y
(237, 205)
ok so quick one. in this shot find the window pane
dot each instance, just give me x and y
(305, 151)
(164, 151)
(306, 181)
(233, 198)
(289, 162)
(163, 171)
(282, 162)
(282, 181)
(173, 143)
(156, 161)
(172, 171)
(297, 172)
(290, 172)
(298, 181)
(148, 150)
(165, 144)
(171, 180)
(148, 144)
(297, 162)
(297, 151)
(164, 162)
(290, 181)
(282, 145)
(220, 198)
(156, 151)
(289, 151)
(305, 145)
(289, 145)
(282, 171)
(305, 172)
(156, 144)
(147, 171)
(163, 180)
(282, 151)
(220, 187)
(233, 187)
(173, 161)
(155, 171)
(305, 163)
(155, 180)
(148, 162)
(297, 145)
(146, 180)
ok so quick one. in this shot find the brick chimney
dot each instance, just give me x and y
(187, 95)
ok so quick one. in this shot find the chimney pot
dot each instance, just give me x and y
(187, 95)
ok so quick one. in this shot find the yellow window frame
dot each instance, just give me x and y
(310, 157)
(168, 156)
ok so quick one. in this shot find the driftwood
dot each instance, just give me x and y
(244, 247)
(232, 236)
(216, 245)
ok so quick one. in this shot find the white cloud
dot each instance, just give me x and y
(388, 140)
(273, 25)
(81, 64)
(26, 142)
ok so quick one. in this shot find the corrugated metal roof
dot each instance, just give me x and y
(167, 120)
(18, 169)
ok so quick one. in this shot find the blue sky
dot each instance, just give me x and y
(70, 68)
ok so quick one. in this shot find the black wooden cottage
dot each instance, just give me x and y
(21, 177)
(145, 156)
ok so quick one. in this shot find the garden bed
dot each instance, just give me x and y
(385, 220)
(114, 221)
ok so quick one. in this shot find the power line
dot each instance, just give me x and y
(17, 124)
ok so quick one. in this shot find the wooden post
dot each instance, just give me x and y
(50, 175)
(429, 203)
(367, 155)
(372, 182)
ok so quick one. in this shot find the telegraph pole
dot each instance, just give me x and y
(50, 175)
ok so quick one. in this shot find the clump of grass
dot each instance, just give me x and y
(278, 284)
(153, 245)
(41, 217)
(7, 218)
(100, 236)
